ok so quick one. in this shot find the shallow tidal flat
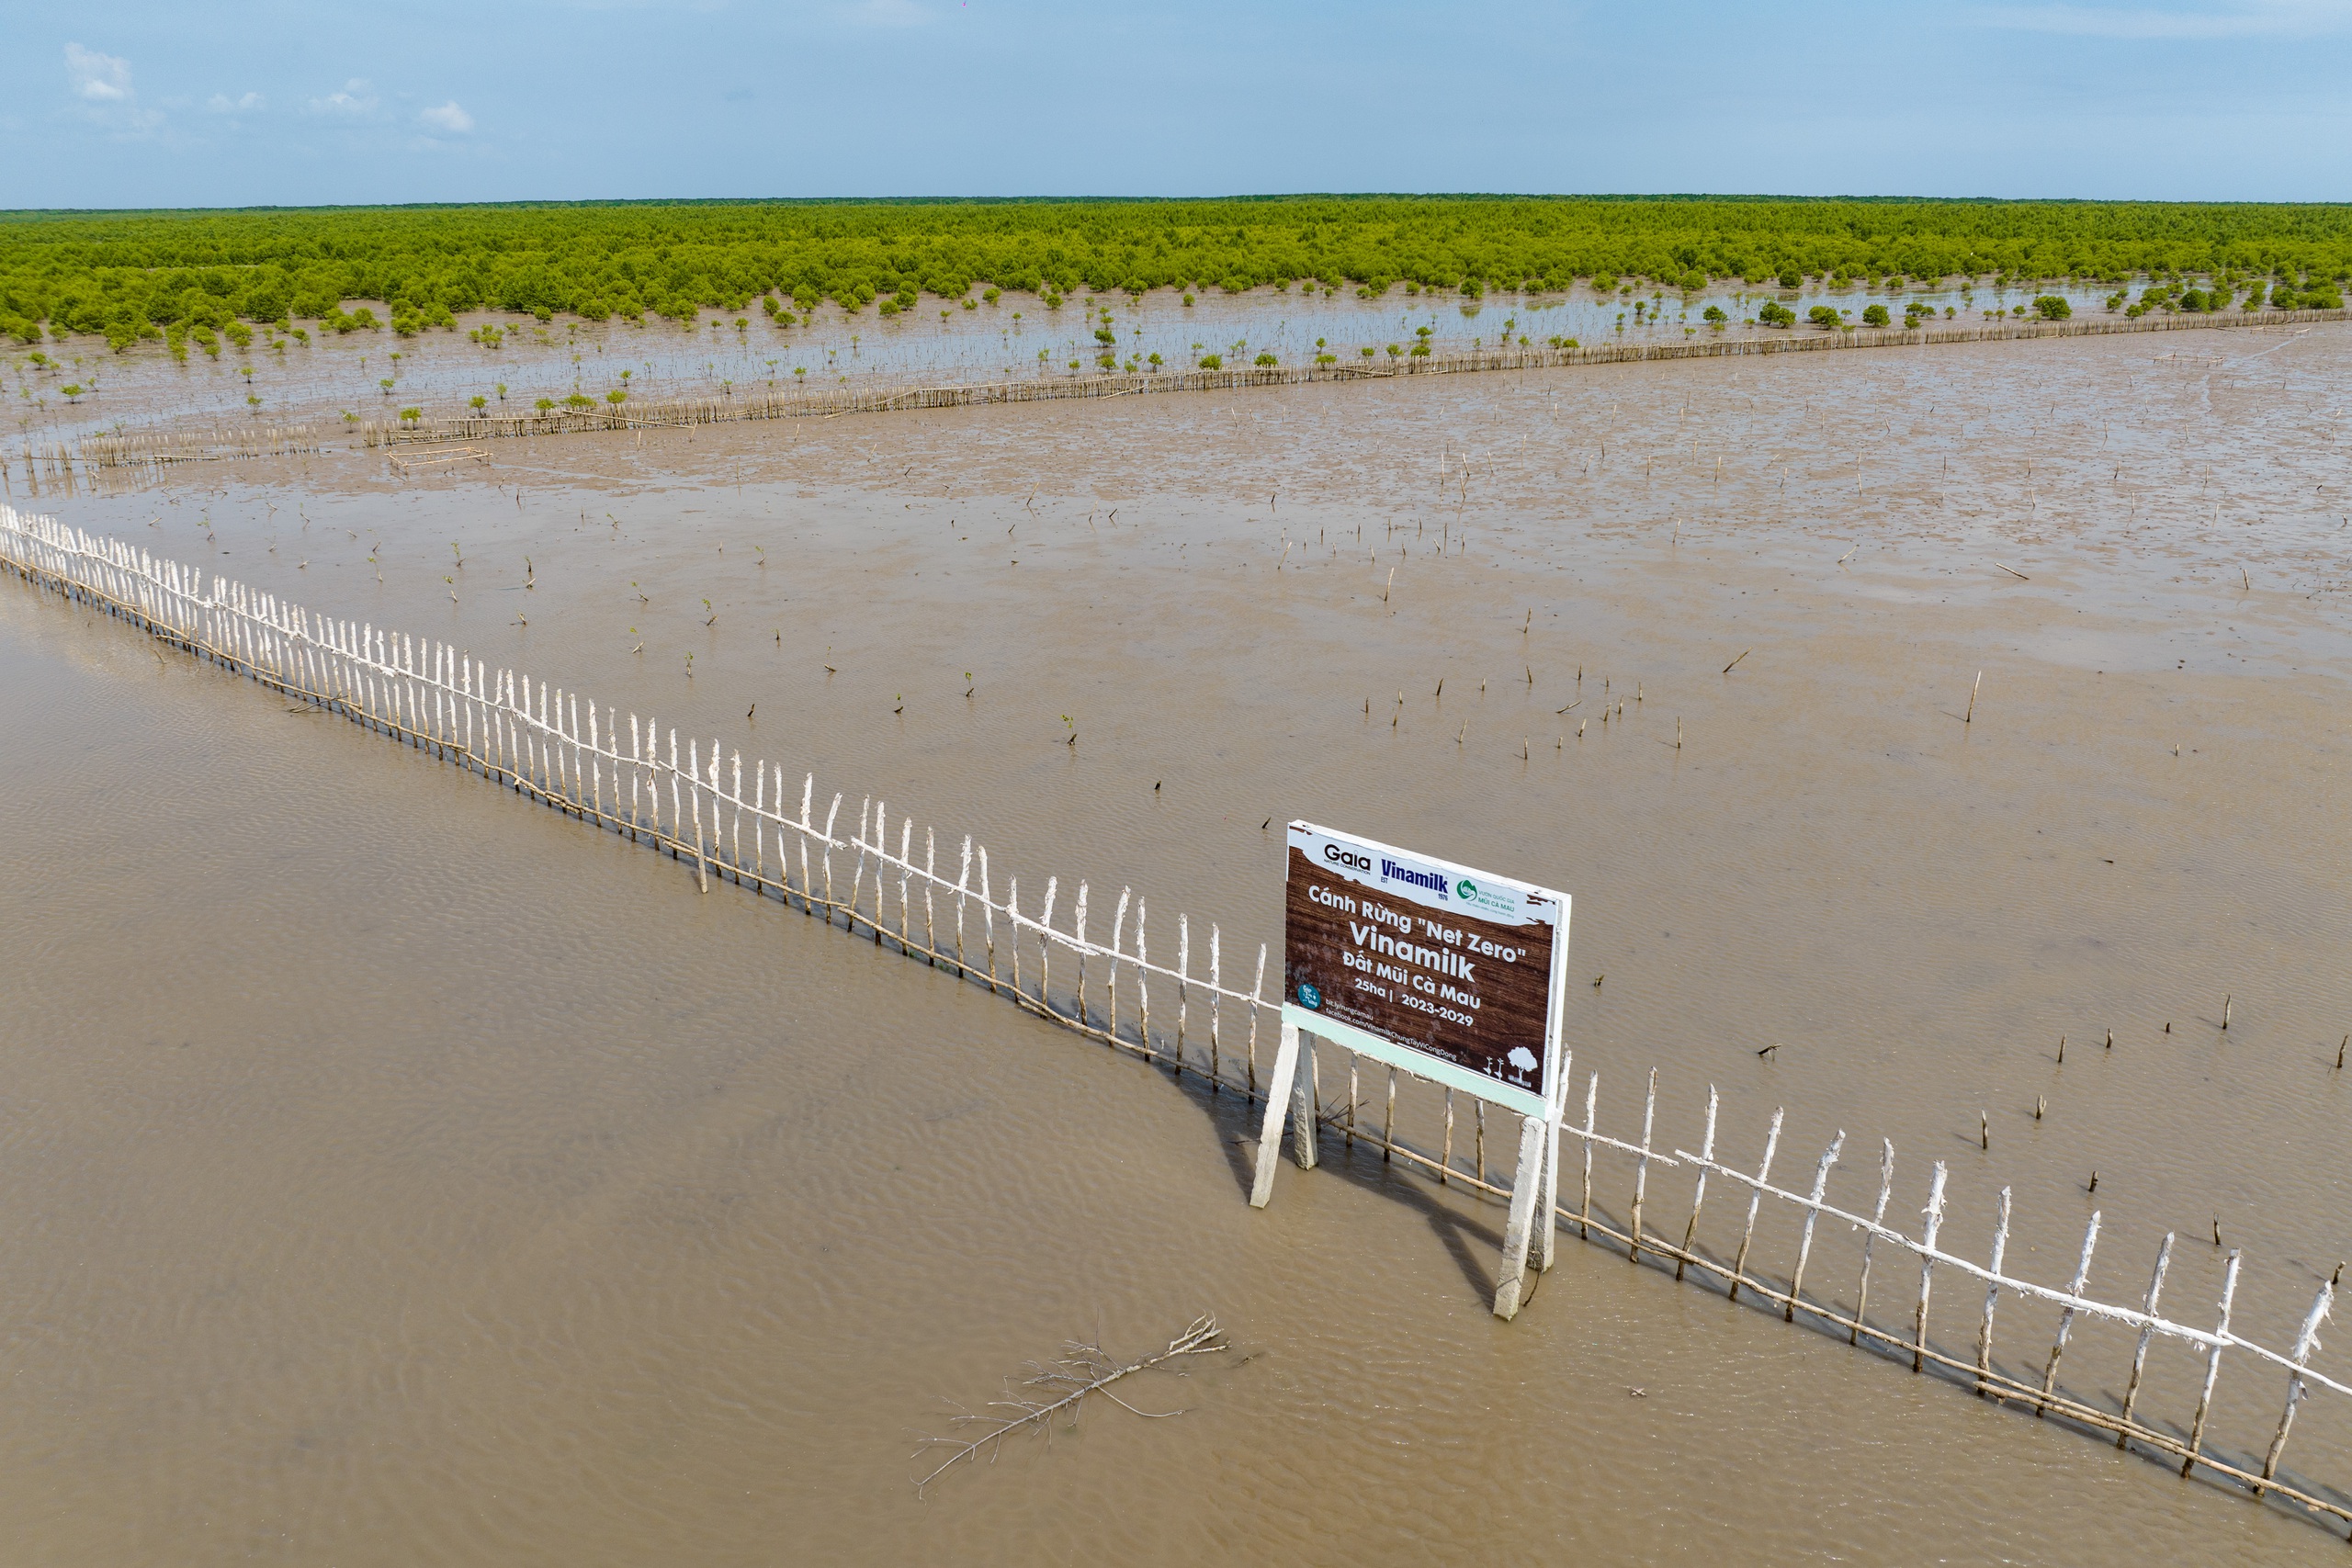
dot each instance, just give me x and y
(398, 1171)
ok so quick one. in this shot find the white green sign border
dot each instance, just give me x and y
(1419, 1064)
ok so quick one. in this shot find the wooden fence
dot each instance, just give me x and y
(529, 737)
(796, 402)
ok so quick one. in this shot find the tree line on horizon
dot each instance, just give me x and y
(134, 276)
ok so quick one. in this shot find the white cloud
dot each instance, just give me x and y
(221, 103)
(447, 118)
(101, 78)
(354, 100)
(2240, 18)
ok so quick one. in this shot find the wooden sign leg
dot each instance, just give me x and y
(1525, 1188)
(1303, 1129)
(1269, 1133)
(1547, 1224)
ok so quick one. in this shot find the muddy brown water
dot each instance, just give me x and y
(398, 1171)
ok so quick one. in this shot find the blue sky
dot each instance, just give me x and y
(187, 104)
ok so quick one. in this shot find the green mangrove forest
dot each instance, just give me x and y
(148, 274)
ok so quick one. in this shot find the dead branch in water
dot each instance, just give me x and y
(1087, 1368)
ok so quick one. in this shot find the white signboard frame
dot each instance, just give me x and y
(1535, 1188)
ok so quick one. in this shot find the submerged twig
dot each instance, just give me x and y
(1087, 1368)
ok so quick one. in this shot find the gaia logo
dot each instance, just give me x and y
(1468, 890)
(1309, 997)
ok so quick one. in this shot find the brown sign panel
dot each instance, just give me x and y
(1421, 953)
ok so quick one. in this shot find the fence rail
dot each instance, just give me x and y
(222, 442)
(529, 736)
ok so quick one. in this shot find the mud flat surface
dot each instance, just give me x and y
(398, 1171)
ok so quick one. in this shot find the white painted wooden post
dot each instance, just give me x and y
(1804, 1247)
(1935, 1213)
(2306, 1342)
(1257, 993)
(1078, 928)
(1992, 1294)
(1523, 1191)
(2066, 1318)
(963, 890)
(1755, 1198)
(1698, 1189)
(1216, 1068)
(1547, 1210)
(1270, 1130)
(2212, 1364)
(1641, 1174)
(1878, 1216)
(2147, 1332)
(1303, 1128)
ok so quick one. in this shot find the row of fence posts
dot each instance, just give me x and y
(802, 400)
(529, 737)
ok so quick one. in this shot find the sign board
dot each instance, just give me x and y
(1451, 973)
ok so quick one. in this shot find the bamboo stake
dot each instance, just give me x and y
(1445, 1155)
(2306, 1341)
(678, 818)
(1078, 925)
(1143, 984)
(1591, 1107)
(1256, 990)
(1012, 928)
(2147, 1332)
(694, 788)
(2212, 1365)
(1183, 985)
(1045, 947)
(963, 885)
(1119, 924)
(1813, 1212)
(1878, 1217)
(1755, 1198)
(759, 808)
(1641, 1172)
(1388, 1119)
(808, 794)
(829, 906)
(1992, 1294)
(906, 870)
(2066, 1317)
(1217, 1067)
(1935, 1213)
(1699, 1190)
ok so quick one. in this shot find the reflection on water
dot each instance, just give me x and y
(374, 374)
